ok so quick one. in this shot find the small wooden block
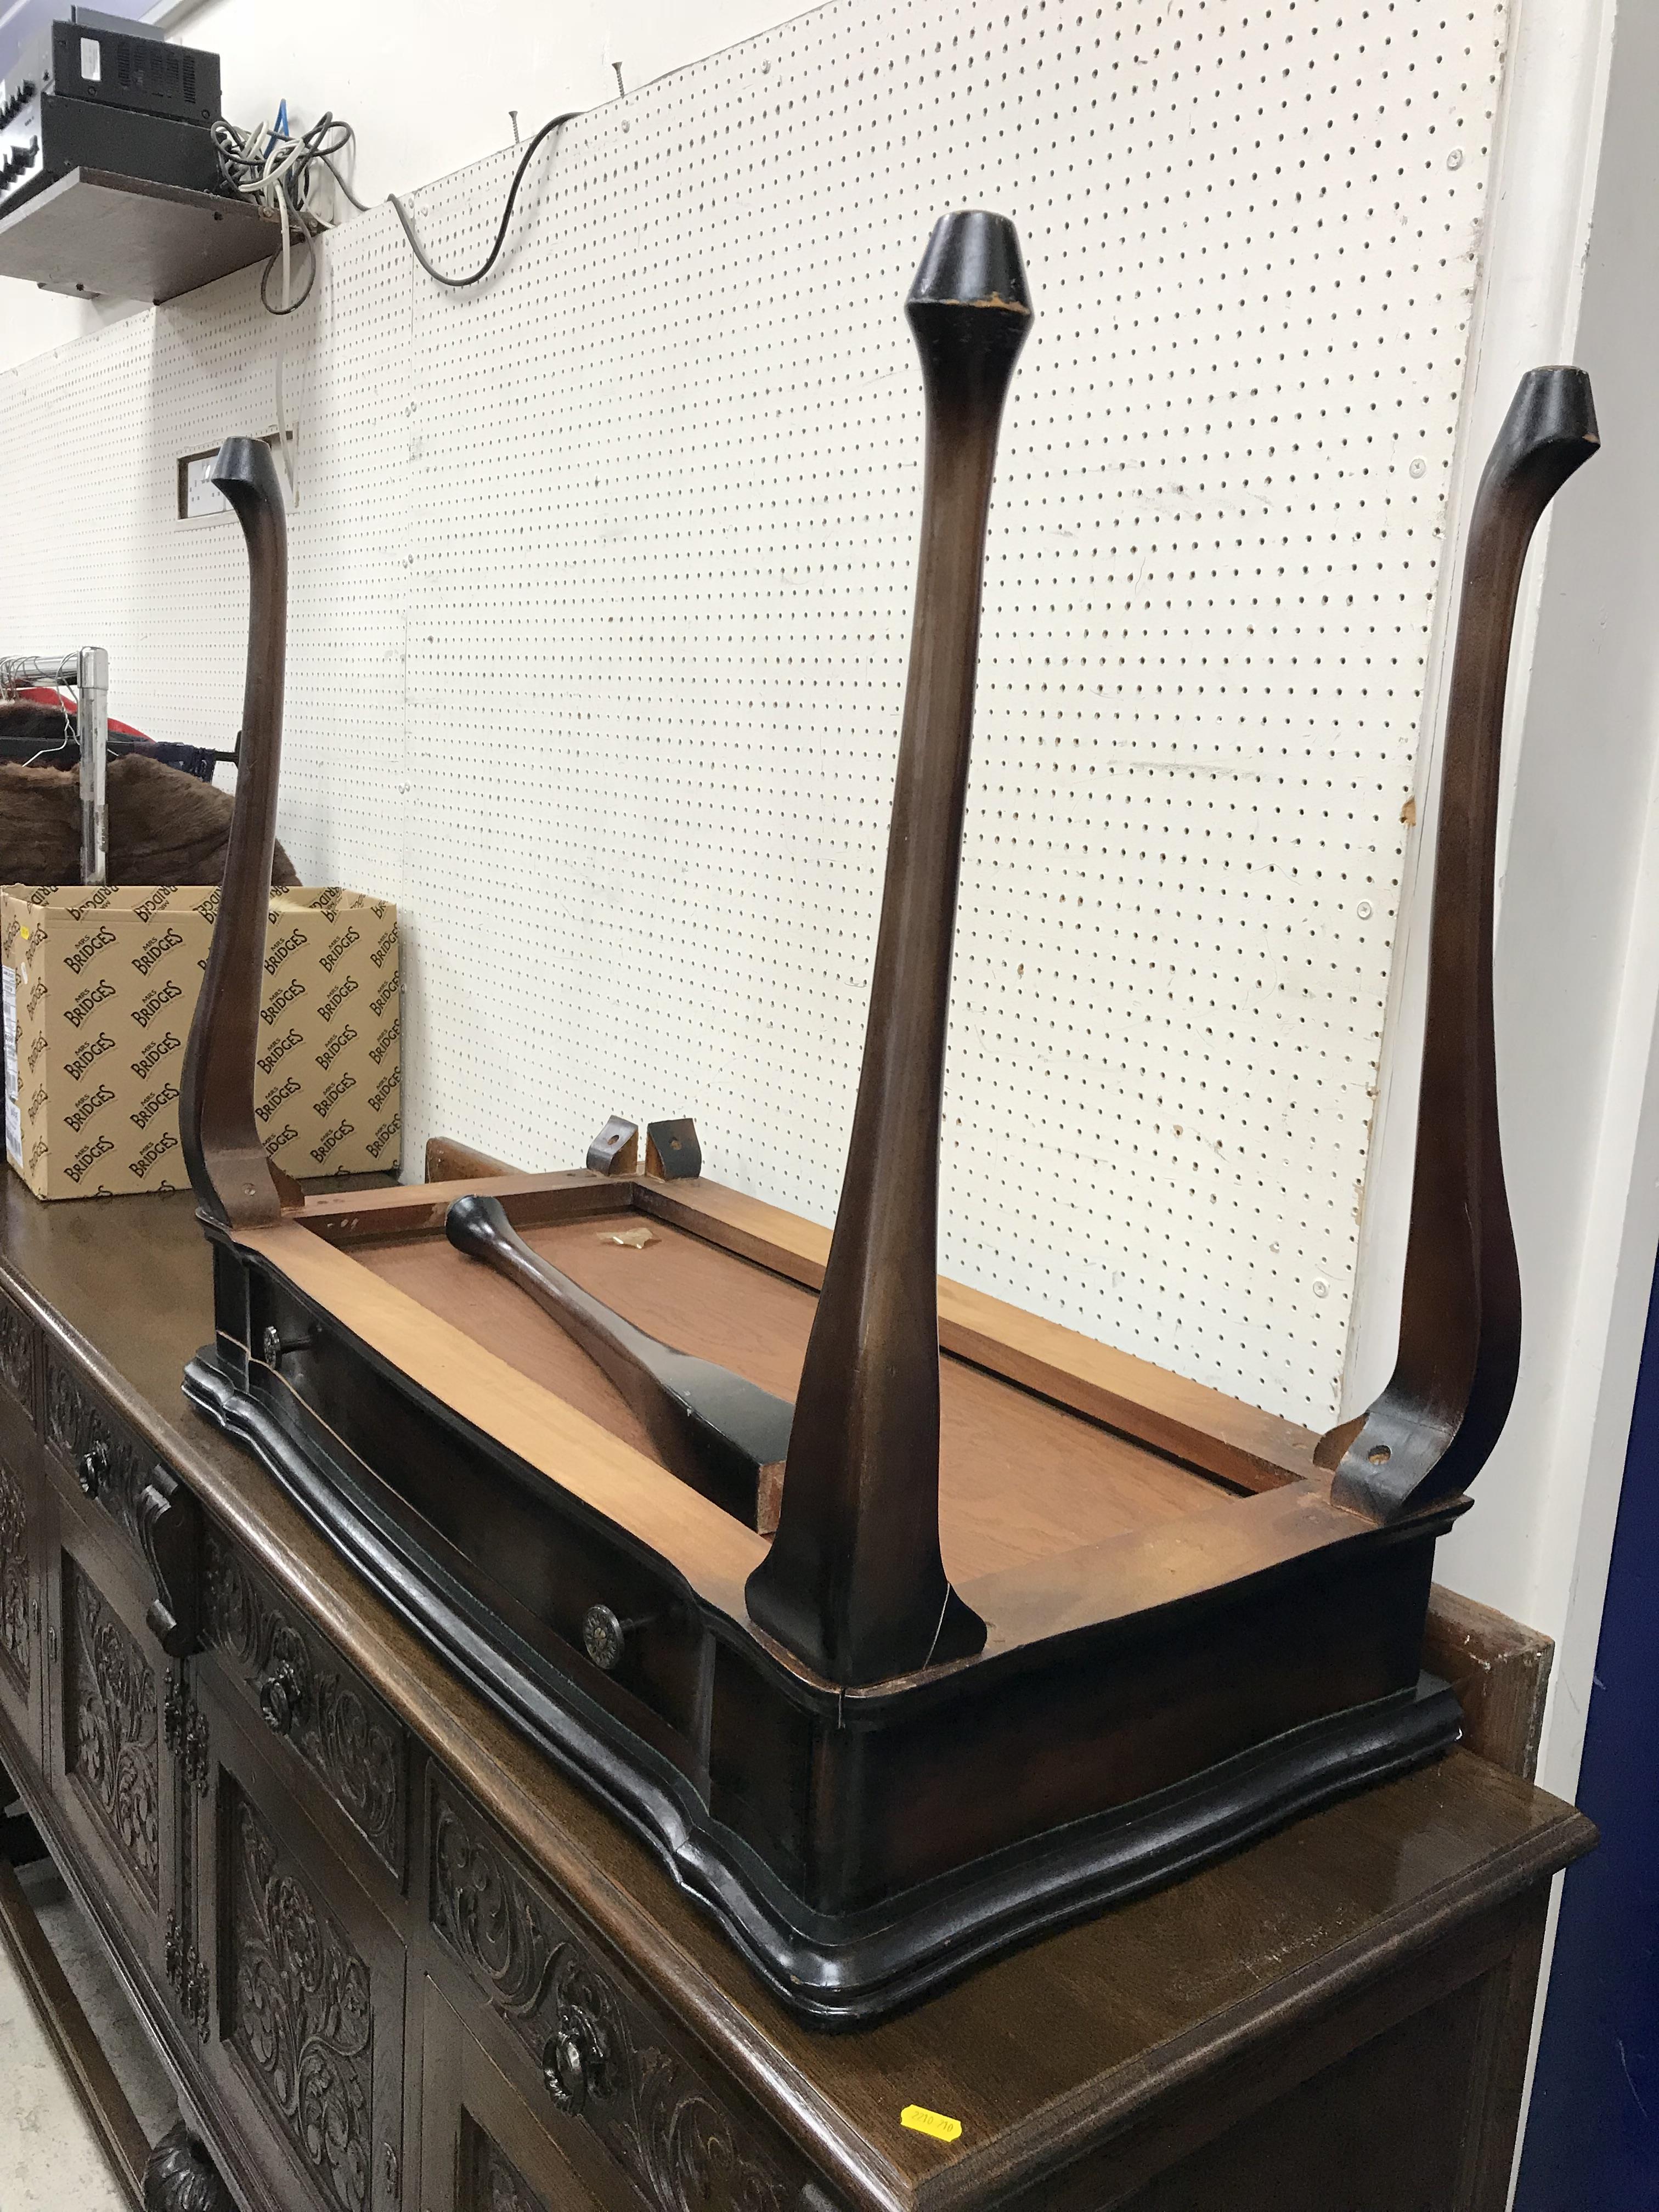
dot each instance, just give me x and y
(615, 1150)
(672, 1150)
(448, 1160)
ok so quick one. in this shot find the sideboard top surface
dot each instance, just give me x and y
(1038, 2054)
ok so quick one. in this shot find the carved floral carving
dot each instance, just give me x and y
(80, 1431)
(14, 1579)
(184, 1731)
(17, 1355)
(656, 2117)
(356, 1750)
(110, 1707)
(187, 1976)
(300, 2013)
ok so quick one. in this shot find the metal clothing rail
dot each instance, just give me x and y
(87, 672)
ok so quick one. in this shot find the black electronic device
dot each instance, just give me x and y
(94, 91)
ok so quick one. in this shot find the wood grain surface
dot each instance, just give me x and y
(1019, 1477)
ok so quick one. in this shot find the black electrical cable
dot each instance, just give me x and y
(460, 283)
(250, 174)
(295, 305)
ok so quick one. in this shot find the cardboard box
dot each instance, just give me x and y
(99, 989)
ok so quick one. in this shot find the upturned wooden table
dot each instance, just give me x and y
(395, 1958)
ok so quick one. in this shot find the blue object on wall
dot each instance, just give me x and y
(1592, 2142)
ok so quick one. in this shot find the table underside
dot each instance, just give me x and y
(1021, 1478)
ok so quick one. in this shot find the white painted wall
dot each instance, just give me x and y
(1578, 946)
(1577, 966)
(427, 85)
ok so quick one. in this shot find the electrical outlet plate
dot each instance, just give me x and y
(198, 499)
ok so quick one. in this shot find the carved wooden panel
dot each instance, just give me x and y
(599, 2054)
(298, 2009)
(489, 2180)
(14, 1580)
(17, 1341)
(109, 1465)
(109, 1726)
(309, 1695)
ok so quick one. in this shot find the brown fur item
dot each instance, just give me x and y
(165, 827)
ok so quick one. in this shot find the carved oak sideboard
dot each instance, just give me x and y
(395, 1961)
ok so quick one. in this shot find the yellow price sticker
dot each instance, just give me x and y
(939, 2125)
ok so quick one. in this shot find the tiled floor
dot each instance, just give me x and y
(50, 2159)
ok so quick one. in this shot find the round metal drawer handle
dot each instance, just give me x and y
(604, 1635)
(604, 1638)
(91, 1467)
(573, 2060)
(280, 1696)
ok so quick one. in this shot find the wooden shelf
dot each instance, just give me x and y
(95, 235)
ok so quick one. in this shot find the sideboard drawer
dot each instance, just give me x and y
(593, 2060)
(20, 1358)
(94, 1446)
(290, 1674)
(485, 2150)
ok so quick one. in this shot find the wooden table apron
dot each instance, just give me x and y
(1102, 2066)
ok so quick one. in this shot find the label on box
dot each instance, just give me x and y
(92, 62)
(13, 1119)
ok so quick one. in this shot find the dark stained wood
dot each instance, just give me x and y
(672, 1151)
(1281, 2125)
(1065, 1744)
(483, 2141)
(170, 1529)
(100, 2094)
(223, 1151)
(305, 1977)
(1501, 1673)
(1083, 2069)
(181, 2176)
(1126, 1753)
(713, 1427)
(1433, 1428)
(101, 235)
(110, 1754)
(448, 1160)
(854, 1583)
(1307, 1685)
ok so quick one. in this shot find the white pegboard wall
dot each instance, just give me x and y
(114, 412)
(643, 510)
